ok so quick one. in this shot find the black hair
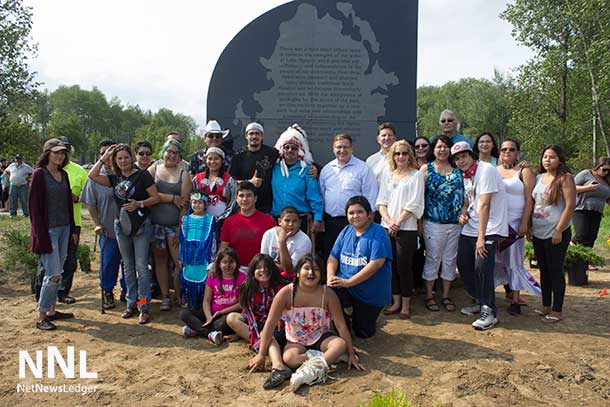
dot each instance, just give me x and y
(386, 125)
(105, 143)
(246, 186)
(430, 157)
(288, 210)
(221, 170)
(358, 200)
(313, 260)
(494, 150)
(250, 285)
(226, 252)
(512, 140)
(144, 143)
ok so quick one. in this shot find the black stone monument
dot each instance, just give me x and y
(331, 66)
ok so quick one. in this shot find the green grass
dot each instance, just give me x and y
(392, 398)
(604, 232)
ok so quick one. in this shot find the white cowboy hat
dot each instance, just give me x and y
(214, 127)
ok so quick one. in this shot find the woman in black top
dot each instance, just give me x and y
(135, 192)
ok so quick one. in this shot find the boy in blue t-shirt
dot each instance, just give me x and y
(360, 267)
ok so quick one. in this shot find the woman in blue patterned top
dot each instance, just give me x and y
(444, 202)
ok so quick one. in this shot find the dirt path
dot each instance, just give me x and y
(434, 357)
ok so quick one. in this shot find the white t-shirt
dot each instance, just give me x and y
(377, 162)
(487, 180)
(298, 245)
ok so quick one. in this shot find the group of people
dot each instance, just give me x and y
(264, 244)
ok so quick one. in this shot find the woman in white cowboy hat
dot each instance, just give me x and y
(213, 136)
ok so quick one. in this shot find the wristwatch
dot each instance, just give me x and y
(141, 204)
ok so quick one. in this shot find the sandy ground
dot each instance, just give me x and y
(433, 358)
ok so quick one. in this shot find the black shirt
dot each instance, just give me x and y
(132, 187)
(244, 164)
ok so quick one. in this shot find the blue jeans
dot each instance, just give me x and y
(53, 265)
(134, 251)
(111, 256)
(19, 192)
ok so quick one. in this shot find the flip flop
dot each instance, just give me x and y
(448, 304)
(550, 319)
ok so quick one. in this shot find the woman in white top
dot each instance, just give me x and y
(519, 182)
(554, 202)
(400, 204)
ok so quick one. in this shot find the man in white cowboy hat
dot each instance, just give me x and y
(254, 163)
(213, 136)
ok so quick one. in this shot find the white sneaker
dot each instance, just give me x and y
(312, 353)
(313, 371)
(471, 309)
(216, 337)
(487, 319)
(187, 332)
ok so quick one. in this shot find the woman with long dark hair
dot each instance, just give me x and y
(486, 148)
(554, 202)
(592, 194)
(134, 193)
(51, 227)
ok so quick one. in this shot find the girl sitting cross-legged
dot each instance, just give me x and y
(307, 308)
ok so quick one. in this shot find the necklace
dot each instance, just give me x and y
(509, 166)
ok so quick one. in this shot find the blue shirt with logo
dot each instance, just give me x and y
(354, 252)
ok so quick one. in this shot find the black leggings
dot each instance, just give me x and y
(586, 227)
(550, 262)
(196, 319)
(404, 246)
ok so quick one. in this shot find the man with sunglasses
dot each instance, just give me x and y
(213, 136)
(449, 127)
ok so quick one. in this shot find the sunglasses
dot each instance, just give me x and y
(605, 169)
(146, 153)
(291, 147)
(214, 135)
(398, 153)
(447, 120)
(421, 146)
(508, 149)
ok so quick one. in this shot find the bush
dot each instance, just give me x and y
(83, 254)
(17, 251)
(576, 253)
(393, 398)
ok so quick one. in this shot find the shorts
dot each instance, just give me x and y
(318, 344)
(161, 233)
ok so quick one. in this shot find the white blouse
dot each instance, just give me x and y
(407, 194)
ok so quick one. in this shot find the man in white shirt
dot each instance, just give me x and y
(484, 224)
(18, 173)
(342, 178)
(386, 137)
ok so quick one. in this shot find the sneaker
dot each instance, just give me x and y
(45, 325)
(216, 337)
(471, 309)
(166, 304)
(487, 319)
(312, 353)
(188, 332)
(276, 378)
(60, 315)
(109, 300)
(312, 371)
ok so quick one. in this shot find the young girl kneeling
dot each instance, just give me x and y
(220, 298)
(307, 307)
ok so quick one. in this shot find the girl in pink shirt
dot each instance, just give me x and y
(220, 298)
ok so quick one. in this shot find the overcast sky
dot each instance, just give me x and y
(156, 55)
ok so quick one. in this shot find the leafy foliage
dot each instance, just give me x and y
(17, 252)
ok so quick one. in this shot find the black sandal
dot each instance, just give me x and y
(431, 304)
(276, 378)
(448, 304)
